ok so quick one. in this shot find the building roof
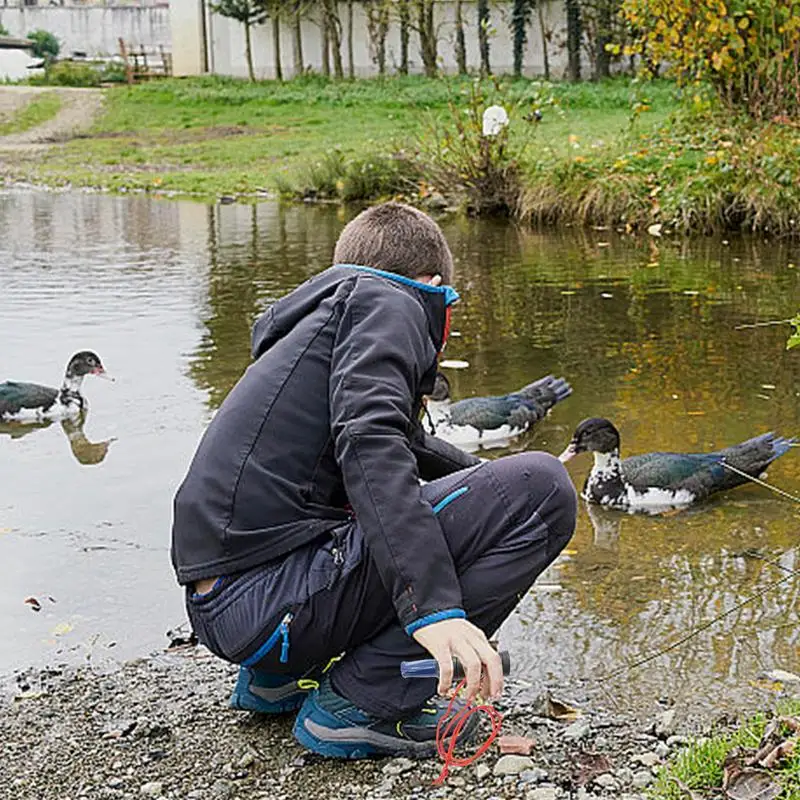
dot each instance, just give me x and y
(12, 43)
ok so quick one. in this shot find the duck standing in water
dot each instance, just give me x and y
(30, 401)
(492, 421)
(656, 482)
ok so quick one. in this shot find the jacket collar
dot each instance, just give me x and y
(449, 293)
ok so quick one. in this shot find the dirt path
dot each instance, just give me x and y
(79, 108)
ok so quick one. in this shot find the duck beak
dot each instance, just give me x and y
(568, 453)
(99, 372)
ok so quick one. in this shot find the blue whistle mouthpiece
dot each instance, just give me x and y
(429, 667)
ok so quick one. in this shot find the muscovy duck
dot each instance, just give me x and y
(30, 401)
(656, 482)
(491, 421)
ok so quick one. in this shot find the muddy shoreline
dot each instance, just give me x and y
(160, 727)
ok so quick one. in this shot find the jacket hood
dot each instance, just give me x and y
(281, 317)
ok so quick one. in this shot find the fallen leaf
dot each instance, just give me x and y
(33, 603)
(62, 629)
(548, 706)
(752, 784)
(782, 676)
(454, 363)
(517, 745)
(655, 230)
(778, 753)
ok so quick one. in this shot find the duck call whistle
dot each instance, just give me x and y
(429, 667)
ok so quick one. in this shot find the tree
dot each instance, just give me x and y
(461, 42)
(297, 8)
(749, 51)
(351, 66)
(378, 28)
(520, 19)
(274, 10)
(3, 30)
(547, 33)
(483, 36)
(248, 13)
(573, 39)
(45, 45)
(404, 15)
(428, 36)
(330, 11)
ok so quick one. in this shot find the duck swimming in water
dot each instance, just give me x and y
(30, 401)
(491, 421)
(656, 482)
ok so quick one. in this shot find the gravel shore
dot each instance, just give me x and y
(160, 728)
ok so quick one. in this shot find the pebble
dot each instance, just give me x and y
(662, 749)
(642, 778)
(578, 730)
(222, 788)
(247, 760)
(646, 759)
(601, 743)
(665, 724)
(676, 741)
(606, 781)
(512, 765)
(585, 794)
(115, 783)
(151, 789)
(398, 766)
(482, 772)
(543, 793)
(535, 775)
(624, 776)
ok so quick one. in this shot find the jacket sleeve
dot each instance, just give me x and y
(377, 363)
(437, 458)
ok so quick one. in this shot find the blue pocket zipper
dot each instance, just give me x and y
(280, 633)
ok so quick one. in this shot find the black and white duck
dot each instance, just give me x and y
(33, 402)
(492, 421)
(656, 482)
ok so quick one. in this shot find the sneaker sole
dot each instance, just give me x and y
(354, 743)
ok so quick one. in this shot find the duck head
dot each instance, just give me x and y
(85, 363)
(441, 388)
(594, 435)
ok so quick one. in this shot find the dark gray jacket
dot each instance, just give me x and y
(324, 425)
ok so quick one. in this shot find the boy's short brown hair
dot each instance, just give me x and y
(396, 238)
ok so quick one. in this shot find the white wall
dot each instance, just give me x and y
(226, 49)
(93, 29)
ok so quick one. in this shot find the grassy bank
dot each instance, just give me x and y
(39, 110)
(703, 768)
(613, 153)
(216, 135)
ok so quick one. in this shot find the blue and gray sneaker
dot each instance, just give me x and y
(267, 693)
(330, 725)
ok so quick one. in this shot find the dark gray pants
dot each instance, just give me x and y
(517, 516)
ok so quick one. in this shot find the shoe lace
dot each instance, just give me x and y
(452, 724)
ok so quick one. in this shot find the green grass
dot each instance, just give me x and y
(614, 153)
(218, 135)
(699, 765)
(39, 110)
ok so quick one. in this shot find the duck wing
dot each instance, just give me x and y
(15, 396)
(546, 392)
(704, 473)
(483, 413)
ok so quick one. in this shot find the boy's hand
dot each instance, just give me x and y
(459, 638)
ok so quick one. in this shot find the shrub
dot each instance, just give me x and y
(749, 50)
(45, 45)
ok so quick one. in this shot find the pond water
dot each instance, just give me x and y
(644, 329)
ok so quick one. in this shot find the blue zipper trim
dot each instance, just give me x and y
(437, 616)
(450, 294)
(281, 632)
(449, 499)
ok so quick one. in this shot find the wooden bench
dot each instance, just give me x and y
(144, 63)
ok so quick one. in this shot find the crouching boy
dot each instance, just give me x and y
(301, 532)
